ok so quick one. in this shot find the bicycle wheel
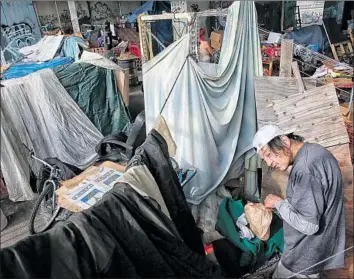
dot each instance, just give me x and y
(47, 191)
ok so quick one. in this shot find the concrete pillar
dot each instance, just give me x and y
(179, 27)
(73, 15)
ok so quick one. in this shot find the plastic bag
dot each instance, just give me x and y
(259, 218)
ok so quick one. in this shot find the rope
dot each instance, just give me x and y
(299, 273)
(174, 83)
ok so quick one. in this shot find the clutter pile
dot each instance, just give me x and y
(126, 214)
(334, 75)
(129, 215)
(94, 89)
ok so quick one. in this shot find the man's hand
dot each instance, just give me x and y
(271, 200)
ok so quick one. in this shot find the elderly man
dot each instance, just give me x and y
(313, 211)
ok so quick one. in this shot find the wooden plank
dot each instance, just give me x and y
(268, 89)
(312, 113)
(297, 75)
(286, 57)
(334, 52)
(342, 49)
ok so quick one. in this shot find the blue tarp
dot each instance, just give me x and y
(142, 9)
(24, 69)
(309, 35)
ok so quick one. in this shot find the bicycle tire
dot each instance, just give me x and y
(36, 207)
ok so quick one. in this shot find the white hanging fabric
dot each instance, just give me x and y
(211, 111)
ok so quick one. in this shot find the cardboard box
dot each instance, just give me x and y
(340, 82)
(216, 38)
(346, 113)
(72, 183)
(123, 84)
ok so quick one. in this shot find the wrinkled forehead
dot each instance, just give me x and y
(263, 150)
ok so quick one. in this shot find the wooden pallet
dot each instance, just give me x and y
(341, 49)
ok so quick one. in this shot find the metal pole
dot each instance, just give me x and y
(351, 100)
(324, 27)
(120, 9)
(282, 16)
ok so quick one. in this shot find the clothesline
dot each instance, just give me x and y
(299, 273)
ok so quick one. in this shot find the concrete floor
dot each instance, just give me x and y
(18, 215)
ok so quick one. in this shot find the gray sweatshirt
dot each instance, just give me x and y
(313, 213)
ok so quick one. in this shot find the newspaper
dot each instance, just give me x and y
(91, 190)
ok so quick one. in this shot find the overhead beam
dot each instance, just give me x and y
(166, 16)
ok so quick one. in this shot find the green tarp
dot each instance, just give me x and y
(255, 251)
(95, 91)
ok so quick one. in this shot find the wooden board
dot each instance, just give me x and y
(268, 89)
(286, 58)
(315, 114)
(300, 83)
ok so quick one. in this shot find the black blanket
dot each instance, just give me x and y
(123, 236)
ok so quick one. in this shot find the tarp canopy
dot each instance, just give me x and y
(37, 111)
(94, 89)
(146, 7)
(23, 69)
(211, 111)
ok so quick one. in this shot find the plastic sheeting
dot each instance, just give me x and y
(36, 110)
(309, 35)
(211, 111)
(94, 89)
(24, 69)
(71, 48)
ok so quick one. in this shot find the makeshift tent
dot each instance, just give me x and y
(94, 89)
(211, 110)
(41, 114)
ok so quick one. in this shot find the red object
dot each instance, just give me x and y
(208, 249)
(273, 51)
(202, 34)
(134, 49)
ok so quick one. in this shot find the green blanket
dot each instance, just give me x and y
(95, 91)
(255, 251)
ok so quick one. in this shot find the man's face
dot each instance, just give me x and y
(280, 160)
